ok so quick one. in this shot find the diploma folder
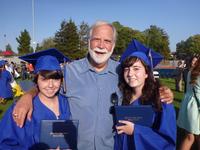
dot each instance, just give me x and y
(62, 133)
(141, 115)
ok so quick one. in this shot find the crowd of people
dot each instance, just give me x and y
(89, 84)
(10, 72)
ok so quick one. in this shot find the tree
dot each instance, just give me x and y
(67, 40)
(157, 39)
(83, 36)
(125, 36)
(24, 41)
(189, 47)
(38, 47)
(193, 44)
(47, 43)
(8, 47)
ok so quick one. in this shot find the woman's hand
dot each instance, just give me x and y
(127, 128)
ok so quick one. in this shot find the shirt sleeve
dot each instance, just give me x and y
(162, 135)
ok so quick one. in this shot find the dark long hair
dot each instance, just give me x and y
(150, 91)
(195, 71)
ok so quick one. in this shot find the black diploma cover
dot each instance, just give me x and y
(142, 114)
(62, 133)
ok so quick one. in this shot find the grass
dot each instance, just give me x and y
(178, 96)
(3, 108)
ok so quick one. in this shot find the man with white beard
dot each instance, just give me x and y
(90, 82)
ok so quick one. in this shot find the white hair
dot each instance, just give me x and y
(101, 23)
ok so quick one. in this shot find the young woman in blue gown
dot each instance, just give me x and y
(48, 105)
(139, 87)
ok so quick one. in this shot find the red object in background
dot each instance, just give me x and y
(7, 53)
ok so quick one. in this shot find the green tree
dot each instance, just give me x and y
(24, 41)
(189, 47)
(67, 40)
(47, 43)
(8, 47)
(83, 36)
(193, 44)
(125, 36)
(38, 47)
(120, 43)
(157, 39)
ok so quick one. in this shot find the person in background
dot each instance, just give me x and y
(30, 69)
(179, 76)
(189, 112)
(5, 80)
(139, 87)
(9, 67)
(48, 105)
(24, 71)
(90, 82)
(189, 64)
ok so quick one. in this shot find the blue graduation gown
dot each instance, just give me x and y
(162, 136)
(13, 137)
(6, 89)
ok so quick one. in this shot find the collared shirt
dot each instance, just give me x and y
(89, 94)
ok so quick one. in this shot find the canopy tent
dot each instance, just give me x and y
(7, 53)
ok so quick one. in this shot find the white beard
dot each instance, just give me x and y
(100, 58)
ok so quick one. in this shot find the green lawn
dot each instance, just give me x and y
(178, 96)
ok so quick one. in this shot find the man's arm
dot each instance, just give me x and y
(24, 107)
(166, 95)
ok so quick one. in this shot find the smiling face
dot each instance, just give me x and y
(135, 75)
(101, 45)
(48, 87)
(194, 60)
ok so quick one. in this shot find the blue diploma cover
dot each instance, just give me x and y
(62, 133)
(142, 115)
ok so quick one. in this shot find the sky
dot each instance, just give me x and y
(180, 19)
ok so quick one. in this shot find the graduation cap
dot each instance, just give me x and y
(49, 59)
(2, 62)
(149, 56)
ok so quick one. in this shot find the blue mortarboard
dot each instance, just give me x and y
(2, 62)
(49, 59)
(149, 56)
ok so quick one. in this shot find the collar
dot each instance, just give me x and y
(112, 66)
